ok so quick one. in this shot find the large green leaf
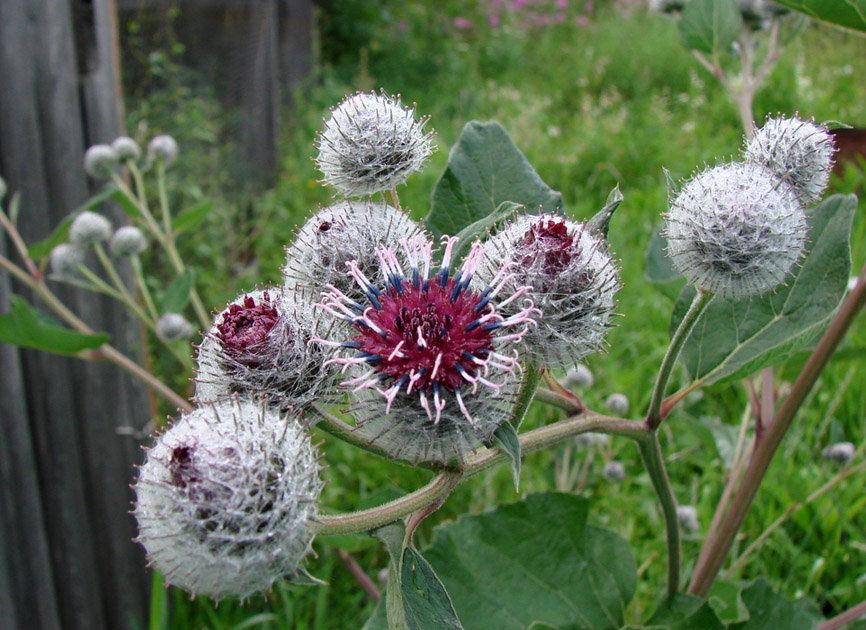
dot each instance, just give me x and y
(175, 297)
(732, 340)
(425, 601)
(192, 217)
(847, 13)
(710, 26)
(684, 612)
(23, 326)
(770, 610)
(534, 561)
(485, 169)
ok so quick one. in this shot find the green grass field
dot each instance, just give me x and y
(608, 104)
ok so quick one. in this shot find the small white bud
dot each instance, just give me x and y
(65, 259)
(617, 404)
(578, 376)
(2, 188)
(841, 452)
(797, 151)
(601, 439)
(735, 230)
(128, 241)
(382, 576)
(163, 147)
(173, 327)
(613, 471)
(88, 228)
(99, 160)
(126, 148)
(371, 144)
(687, 515)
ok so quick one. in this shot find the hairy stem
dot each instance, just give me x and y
(651, 453)
(706, 571)
(846, 617)
(700, 302)
(482, 459)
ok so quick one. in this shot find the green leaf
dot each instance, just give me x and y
(732, 340)
(393, 536)
(684, 612)
(534, 561)
(479, 229)
(505, 438)
(484, 169)
(176, 295)
(192, 217)
(601, 221)
(847, 13)
(128, 205)
(719, 436)
(28, 328)
(710, 26)
(659, 268)
(15, 208)
(425, 600)
(767, 609)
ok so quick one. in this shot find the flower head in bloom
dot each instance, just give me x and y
(260, 345)
(225, 499)
(65, 259)
(125, 148)
(128, 241)
(88, 228)
(573, 278)
(797, 151)
(735, 230)
(162, 148)
(432, 363)
(338, 234)
(173, 327)
(99, 160)
(370, 144)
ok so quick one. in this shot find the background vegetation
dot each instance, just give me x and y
(605, 96)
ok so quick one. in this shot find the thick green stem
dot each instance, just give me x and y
(651, 454)
(702, 299)
(143, 290)
(482, 459)
(712, 561)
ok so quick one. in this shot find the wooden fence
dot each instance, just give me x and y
(67, 559)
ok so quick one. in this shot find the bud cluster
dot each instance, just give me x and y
(738, 229)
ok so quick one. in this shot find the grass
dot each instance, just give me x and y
(589, 113)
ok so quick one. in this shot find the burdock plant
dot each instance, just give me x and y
(426, 342)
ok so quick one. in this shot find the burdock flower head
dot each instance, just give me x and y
(797, 151)
(735, 230)
(370, 144)
(573, 278)
(225, 499)
(259, 344)
(338, 234)
(433, 364)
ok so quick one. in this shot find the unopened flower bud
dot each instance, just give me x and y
(687, 515)
(735, 230)
(613, 471)
(578, 376)
(260, 343)
(162, 148)
(617, 404)
(125, 148)
(799, 152)
(370, 144)
(339, 234)
(841, 452)
(99, 160)
(601, 439)
(173, 327)
(573, 282)
(65, 259)
(128, 241)
(88, 228)
(2, 188)
(226, 498)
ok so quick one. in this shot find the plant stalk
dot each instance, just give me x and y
(706, 570)
(699, 303)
